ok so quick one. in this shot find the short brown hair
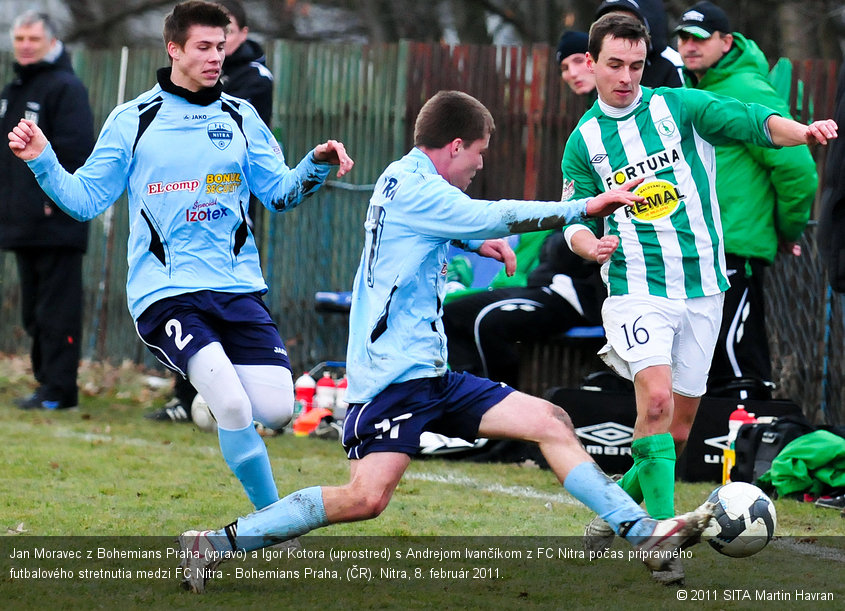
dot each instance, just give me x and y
(236, 11)
(192, 12)
(449, 115)
(616, 25)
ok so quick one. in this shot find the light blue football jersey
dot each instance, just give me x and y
(395, 331)
(188, 170)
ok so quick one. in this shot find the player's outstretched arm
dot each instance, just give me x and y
(334, 152)
(26, 140)
(786, 132)
(605, 203)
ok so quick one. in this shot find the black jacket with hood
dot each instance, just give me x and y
(246, 76)
(49, 93)
(663, 64)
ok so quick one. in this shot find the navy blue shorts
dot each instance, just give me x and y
(175, 328)
(451, 405)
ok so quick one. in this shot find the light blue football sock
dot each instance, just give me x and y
(587, 483)
(246, 455)
(298, 513)
(640, 531)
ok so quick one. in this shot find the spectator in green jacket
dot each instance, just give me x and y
(765, 195)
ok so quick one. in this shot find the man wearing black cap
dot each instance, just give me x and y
(663, 67)
(572, 58)
(765, 196)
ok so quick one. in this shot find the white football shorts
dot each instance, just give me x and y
(645, 330)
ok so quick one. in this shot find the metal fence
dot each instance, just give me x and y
(367, 96)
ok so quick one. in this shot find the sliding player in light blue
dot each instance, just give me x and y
(396, 359)
(189, 156)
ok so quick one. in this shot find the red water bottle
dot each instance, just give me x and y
(737, 418)
(304, 389)
(325, 393)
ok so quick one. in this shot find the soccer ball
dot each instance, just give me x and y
(202, 416)
(744, 520)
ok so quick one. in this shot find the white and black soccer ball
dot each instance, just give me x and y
(202, 416)
(744, 520)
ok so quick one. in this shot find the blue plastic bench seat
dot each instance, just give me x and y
(330, 301)
(585, 332)
(339, 301)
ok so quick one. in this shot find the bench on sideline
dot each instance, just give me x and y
(561, 360)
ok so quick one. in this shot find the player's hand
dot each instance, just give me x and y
(500, 250)
(604, 247)
(333, 152)
(821, 131)
(26, 140)
(789, 248)
(607, 202)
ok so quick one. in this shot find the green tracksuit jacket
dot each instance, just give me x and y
(765, 194)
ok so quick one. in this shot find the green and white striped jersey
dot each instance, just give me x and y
(671, 245)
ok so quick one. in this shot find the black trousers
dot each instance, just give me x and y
(51, 310)
(742, 351)
(483, 328)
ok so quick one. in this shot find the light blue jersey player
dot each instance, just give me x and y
(398, 385)
(189, 156)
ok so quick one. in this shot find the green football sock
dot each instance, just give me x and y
(631, 484)
(654, 462)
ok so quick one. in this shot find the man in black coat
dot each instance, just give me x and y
(245, 72)
(47, 243)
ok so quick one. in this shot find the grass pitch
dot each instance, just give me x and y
(91, 501)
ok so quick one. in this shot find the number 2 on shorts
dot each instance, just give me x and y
(174, 327)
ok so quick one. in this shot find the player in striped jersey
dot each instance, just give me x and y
(663, 260)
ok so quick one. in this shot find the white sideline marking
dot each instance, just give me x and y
(810, 549)
(517, 491)
(127, 441)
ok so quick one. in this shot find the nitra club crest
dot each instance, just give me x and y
(220, 135)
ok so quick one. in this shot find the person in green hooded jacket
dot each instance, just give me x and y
(765, 196)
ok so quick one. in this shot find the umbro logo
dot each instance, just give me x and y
(597, 159)
(607, 433)
(720, 443)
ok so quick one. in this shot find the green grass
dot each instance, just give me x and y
(110, 478)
